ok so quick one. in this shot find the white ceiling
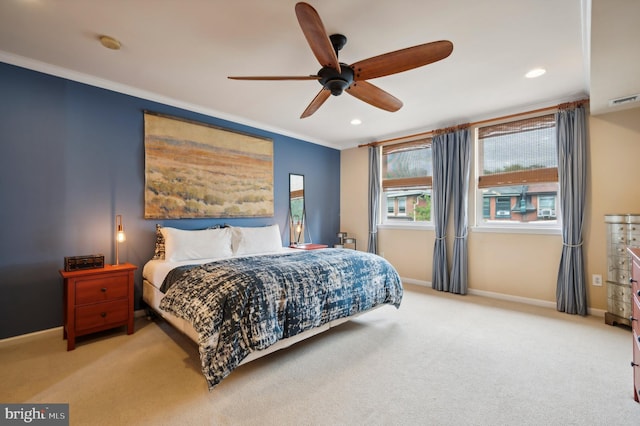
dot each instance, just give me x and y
(180, 53)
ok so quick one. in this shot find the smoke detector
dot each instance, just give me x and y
(624, 100)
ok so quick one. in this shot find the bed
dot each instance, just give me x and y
(240, 295)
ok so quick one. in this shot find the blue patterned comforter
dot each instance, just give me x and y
(245, 304)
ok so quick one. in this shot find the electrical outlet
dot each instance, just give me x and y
(596, 279)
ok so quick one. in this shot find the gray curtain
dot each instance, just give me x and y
(374, 198)
(440, 192)
(571, 293)
(460, 192)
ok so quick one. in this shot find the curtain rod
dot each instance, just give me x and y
(476, 123)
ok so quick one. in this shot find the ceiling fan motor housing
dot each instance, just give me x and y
(334, 81)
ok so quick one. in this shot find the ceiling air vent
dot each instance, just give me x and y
(624, 100)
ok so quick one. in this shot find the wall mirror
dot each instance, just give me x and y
(297, 219)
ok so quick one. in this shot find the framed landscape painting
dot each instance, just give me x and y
(195, 170)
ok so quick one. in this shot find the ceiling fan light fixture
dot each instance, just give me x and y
(337, 86)
(336, 81)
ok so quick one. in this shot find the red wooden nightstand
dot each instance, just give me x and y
(96, 300)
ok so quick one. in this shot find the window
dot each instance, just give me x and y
(546, 207)
(406, 182)
(486, 207)
(402, 205)
(391, 206)
(518, 172)
(503, 207)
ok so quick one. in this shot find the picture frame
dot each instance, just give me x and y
(197, 170)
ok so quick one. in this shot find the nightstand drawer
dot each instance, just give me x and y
(102, 314)
(100, 289)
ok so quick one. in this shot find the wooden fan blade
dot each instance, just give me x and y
(401, 60)
(316, 36)
(316, 103)
(303, 77)
(374, 95)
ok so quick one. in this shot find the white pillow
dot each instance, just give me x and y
(263, 239)
(181, 244)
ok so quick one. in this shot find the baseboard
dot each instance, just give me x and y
(13, 339)
(596, 312)
(9, 340)
(139, 313)
(510, 298)
(506, 297)
(416, 282)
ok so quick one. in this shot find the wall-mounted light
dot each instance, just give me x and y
(120, 236)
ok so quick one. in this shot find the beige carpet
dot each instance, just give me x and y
(438, 360)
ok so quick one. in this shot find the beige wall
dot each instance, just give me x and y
(614, 178)
(516, 265)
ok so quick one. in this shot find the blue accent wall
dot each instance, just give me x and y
(72, 157)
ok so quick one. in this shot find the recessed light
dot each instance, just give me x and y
(536, 72)
(356, 122)
(110, 42)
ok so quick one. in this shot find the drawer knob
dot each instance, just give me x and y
(631, 318)
(103, 289)
(103, 314)
(633, 364)
(631, 280)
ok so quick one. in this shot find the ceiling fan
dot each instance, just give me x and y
(336, 77)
